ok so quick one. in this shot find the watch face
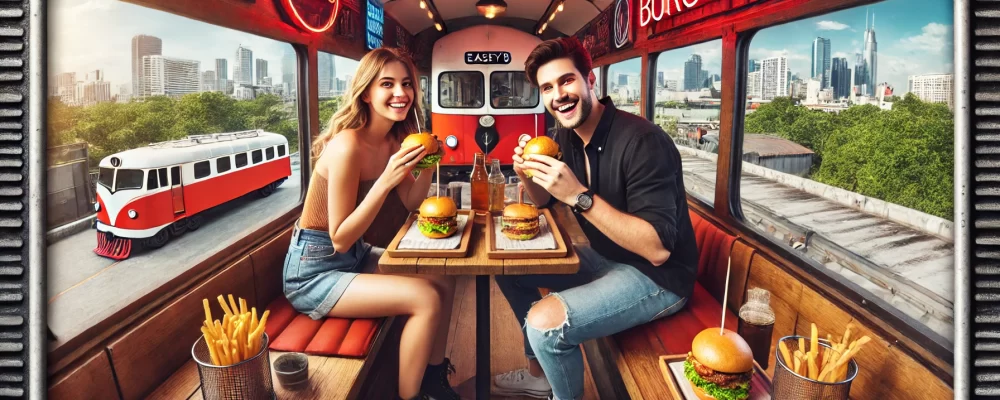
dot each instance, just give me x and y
(585, 201)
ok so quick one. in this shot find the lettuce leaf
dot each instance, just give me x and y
(431, 228)
(740, 393)
(429, 161)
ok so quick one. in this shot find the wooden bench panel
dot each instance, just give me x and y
(93, 379)
(785, 295)
(151, 352)
(268, 266)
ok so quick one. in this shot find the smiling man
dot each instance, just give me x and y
(622, 176)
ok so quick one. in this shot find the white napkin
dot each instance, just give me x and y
(677, 368)
(413, 239)
(545, 240)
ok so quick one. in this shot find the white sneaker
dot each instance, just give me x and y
(520, 382)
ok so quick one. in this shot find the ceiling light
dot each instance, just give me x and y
(437, 26)
(552, 17)
(545, 25)
(430, 15)
(490, 8)
(560, 6)
(422, 4)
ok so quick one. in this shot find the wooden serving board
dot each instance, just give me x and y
(463, 247)
(494, 253)
(760, 386)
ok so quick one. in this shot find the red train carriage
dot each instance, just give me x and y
(152, 193)
(481, 100)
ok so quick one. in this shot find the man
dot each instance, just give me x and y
(622, 177)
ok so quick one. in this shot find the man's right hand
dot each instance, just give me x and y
(518, 152)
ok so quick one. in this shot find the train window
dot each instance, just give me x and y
(163, 176)
(129, 179)
(848, 150)
(334, 80)
(461, 89)
(257, 156)
(241, 160)
(281, 151)
(624, 85)
(106, 177)
(269, 153)
(511, 89)
(597, 82)
(175, 176)
(222, 164)
(686, 102)
(151, 182)
(202, 169)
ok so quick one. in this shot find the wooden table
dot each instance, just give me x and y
(477, 263)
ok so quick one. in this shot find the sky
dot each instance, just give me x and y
(914, 37)
(85, 35)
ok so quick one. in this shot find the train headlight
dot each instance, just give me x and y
(97, 206)
(451, 141)
(132, 214)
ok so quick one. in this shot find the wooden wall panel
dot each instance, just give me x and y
(268, 266)
(785, 295)
(147, 355)
(91, 380)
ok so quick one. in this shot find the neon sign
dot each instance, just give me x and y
(374, 25)
(654, 9)
(623, 22)
(312, 15)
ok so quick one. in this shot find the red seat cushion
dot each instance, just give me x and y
(290, 330)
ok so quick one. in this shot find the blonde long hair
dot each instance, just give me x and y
(354, 112)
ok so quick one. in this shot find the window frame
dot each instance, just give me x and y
(195, 167)
(482, 95)
(218, 164)
(538, 94)
(256, 156)
(236, 161)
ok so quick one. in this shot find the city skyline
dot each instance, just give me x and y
(97, 35)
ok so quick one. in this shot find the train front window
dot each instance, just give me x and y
(511, 89)
(129, 179)
(848, 150)
(106, 177)
(461, 89)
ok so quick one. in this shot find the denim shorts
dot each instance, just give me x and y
(315, 276)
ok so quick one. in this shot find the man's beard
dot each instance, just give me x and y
(584, 107)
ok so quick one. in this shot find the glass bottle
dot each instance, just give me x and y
(497, 185)
(756, 324)
(479, 180)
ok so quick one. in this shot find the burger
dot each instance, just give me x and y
(543, 145)
(520, 221)
(719, 366)
(437, 217)
(430, 143)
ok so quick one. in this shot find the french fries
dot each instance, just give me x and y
(237, 336)
(824, 364)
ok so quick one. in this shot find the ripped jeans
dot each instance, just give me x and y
(602, 299)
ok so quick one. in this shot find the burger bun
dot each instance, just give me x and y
(727, 352)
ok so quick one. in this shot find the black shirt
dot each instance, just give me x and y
(635, 167)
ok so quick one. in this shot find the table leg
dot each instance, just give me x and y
(483, 383)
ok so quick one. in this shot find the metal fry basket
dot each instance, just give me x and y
(249, 379)
(788, 385)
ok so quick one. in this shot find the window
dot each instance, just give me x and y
(257, 156)
(175, 176)
(847, 151)
(624, 85)
(241, 160)
(281, 150)
(163, 176)
(106, 177)
(222, 164)
(334, 80)
(686, 104)
(151, 180)
(202, 169)
(511, 89)
(269, 152)
(597, 82)
(462, 89)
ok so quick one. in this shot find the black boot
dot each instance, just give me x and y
(435, 383)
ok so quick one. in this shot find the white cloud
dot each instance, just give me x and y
(841, 54)
(760, 53)
(934, 38)
(831, 26)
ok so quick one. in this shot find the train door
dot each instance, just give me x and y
(176, 191)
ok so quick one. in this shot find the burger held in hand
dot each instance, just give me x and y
(437, 217)
(430, 143)
(719, 366)
(520, 221)
(543, 145)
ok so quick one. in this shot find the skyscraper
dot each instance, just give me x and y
(143, 45)
(288, 64)
(243, 70)
(167, 76)
(659, 78)
(221, 74)
(327, 73)
(871, 55)
(753, 66)
(774, 77)
(261, 71)
(934, 88)
(209, 82)
(820, 69)
(840, 78)
(693, 77)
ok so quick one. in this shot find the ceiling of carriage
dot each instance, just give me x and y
(575, 14)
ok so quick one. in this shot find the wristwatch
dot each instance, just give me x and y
(584, 201)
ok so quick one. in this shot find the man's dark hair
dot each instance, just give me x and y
(565, 47)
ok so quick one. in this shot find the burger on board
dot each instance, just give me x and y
(719, 366)
(437, 217)
(520, 221)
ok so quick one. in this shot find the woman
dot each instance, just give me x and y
(362, 179)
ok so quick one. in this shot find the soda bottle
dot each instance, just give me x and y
(479, 180)
(497, 185)
(757, 323)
